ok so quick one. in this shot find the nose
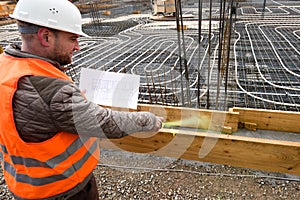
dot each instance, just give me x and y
(76, 47)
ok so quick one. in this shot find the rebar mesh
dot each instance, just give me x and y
(257, 68)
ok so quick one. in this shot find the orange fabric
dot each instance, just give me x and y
(72, 168)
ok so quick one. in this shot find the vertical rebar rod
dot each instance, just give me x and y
(148, 87)
(179, 50)
(187, 79)
(209, 56)
(95, 15)
(228, 52)
(172, 84)
(153, 84)
(264, 8)
(200, 3)
(160, 89)
(221, 32)
(165, 82)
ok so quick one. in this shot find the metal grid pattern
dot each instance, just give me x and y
(267, 58)
(150, 52)
(263, 69)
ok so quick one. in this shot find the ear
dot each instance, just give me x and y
(44, 35)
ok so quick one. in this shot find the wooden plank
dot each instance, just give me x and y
(195, 118)
(106, 12)
(239, 151)
(275, 120)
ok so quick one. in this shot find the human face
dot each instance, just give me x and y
(65, 45)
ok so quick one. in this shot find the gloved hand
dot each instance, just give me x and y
(158, 124)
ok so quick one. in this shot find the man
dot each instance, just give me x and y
(48, 129)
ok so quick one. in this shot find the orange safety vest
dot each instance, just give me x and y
(46, 169)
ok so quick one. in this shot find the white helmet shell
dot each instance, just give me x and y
(57, 14)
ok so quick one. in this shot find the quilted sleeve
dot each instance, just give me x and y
(73, 113)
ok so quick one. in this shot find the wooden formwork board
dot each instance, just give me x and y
(6, 9)
(269, 119)
(7, 21)
(196, 118)
(210, 146)
(86, 8)
(238, 151)
(167, 6)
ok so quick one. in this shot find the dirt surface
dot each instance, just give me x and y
(123, 175)
(150, 177)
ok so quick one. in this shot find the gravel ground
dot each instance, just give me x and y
(134, 176)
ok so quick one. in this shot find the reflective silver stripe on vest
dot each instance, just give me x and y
(1, 156)
(66, 195)
(23, 178)
(3, 150)
(52, 162)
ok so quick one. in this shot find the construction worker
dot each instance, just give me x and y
(48, 129)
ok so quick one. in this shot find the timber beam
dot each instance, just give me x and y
(238, 151)
(220, 121)
(275, 120)
(203, 141)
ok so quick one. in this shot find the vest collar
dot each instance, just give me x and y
(15, 50)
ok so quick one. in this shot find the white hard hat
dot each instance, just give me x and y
(57, 14)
